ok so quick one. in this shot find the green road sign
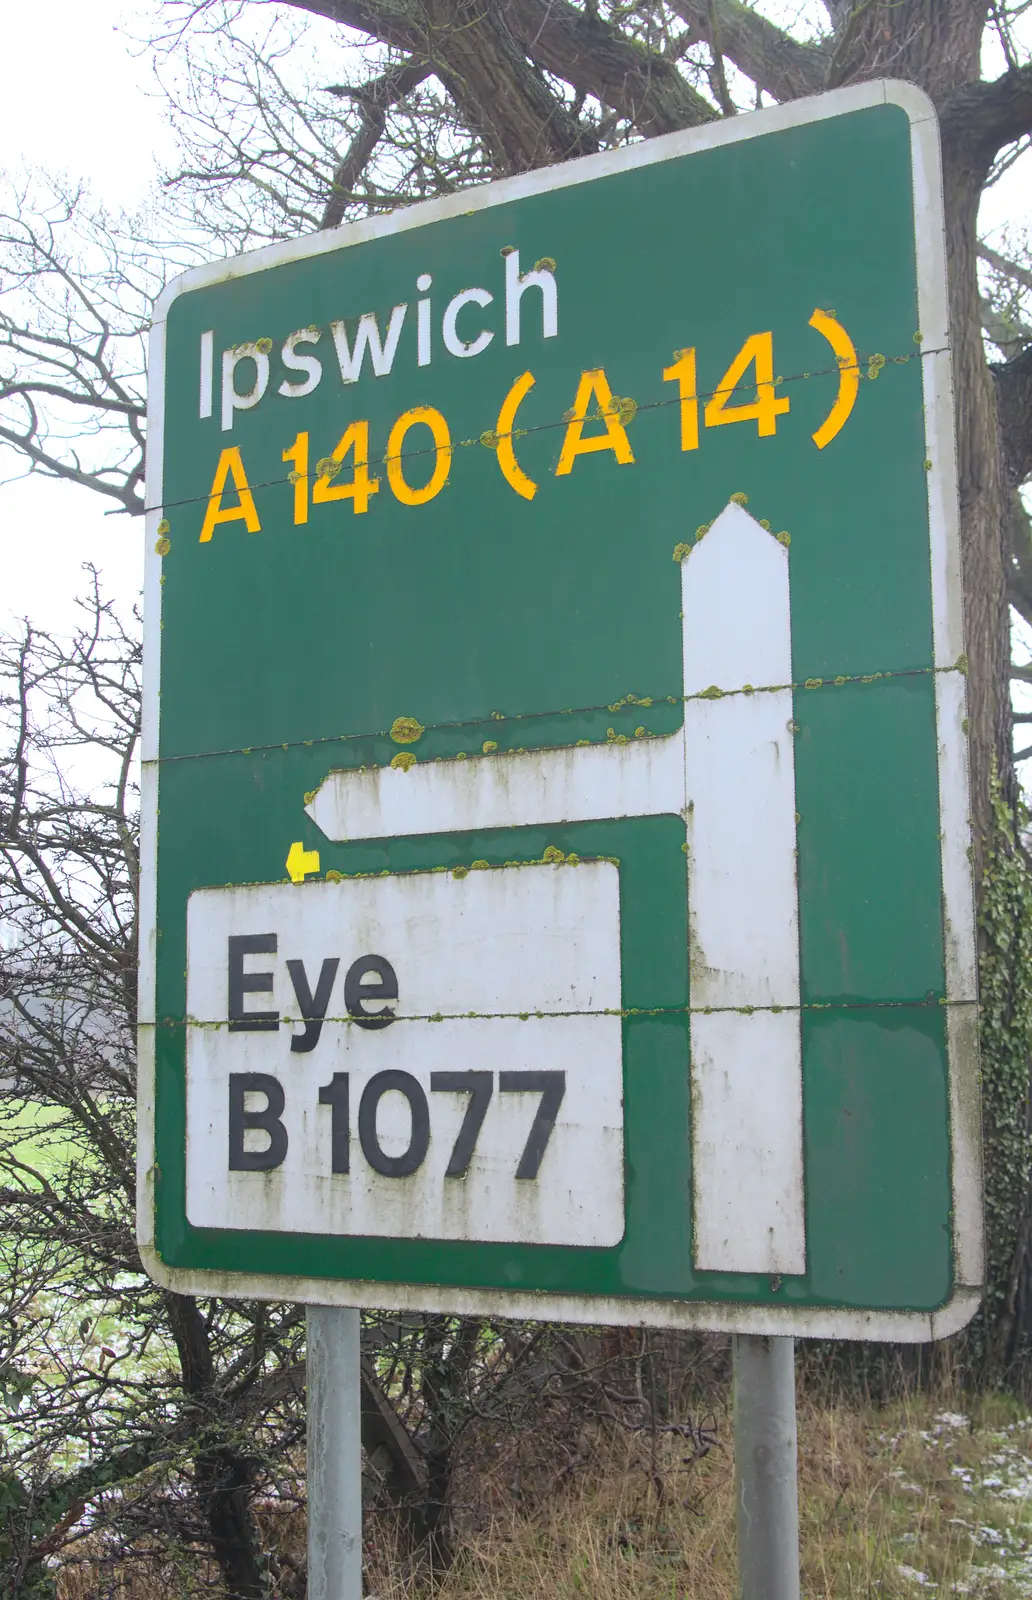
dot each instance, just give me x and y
(556, 884)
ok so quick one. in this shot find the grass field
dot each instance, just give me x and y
(926, 1498)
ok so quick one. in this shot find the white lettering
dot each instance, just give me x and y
(423, 283)
(311, 365)
(232, 400)
(449, 332)
(516, 286)
(367, 337)
(207, 365)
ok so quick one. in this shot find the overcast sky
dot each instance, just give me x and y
(84, 106)
(77, 105)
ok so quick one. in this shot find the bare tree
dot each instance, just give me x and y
(150, 1410)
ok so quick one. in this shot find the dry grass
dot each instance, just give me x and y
(933, 1496)
(627, 1524)
(896, 1502)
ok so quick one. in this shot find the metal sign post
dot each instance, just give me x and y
(555, 711)
(334, 1452)
(766, 1475)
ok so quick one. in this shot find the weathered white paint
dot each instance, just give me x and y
(639, 779)
(950, 691)
(743, 903)
(496, 944)
(955, 833)
(961, 974)
(747, 1155)
(742, 894)
(735, 606)
(740, 768)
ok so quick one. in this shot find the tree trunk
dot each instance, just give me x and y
(937, 44)
(983, 505)
(222, 1472)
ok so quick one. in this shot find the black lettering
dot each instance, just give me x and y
(313, 1007)
(335, 1095)
(358, 989)
(479, 1086)
(267, 1119)
(242, 983)
(394, 1166)
(551, 1086)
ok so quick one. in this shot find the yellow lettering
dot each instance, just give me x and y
(765, 409)
(401, 489)
(298, 454)
(683, 374)
(594, 385)
(358, 491)
(230, 466)
(849, 377)
(512, 472)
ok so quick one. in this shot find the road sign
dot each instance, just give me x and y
(556, 886)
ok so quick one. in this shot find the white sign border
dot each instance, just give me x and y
(954, 803)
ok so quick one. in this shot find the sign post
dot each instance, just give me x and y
(556, 892)
(766, 1480)
(334, 1454)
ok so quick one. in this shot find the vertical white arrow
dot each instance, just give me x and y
(747, 1145)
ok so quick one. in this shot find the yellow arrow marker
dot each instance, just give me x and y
(300, 862)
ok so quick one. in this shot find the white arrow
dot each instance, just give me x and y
(743, 903)
(642, 778)
(730, 772)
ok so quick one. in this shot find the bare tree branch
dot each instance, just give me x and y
(1019, 545)
(1009, 335)
(778, 64)
(597, 59)
(1010, 269)
(1014, 402)
(76, 287)
(471, 49)
(718, 77)
(979, 119)
(373, 99)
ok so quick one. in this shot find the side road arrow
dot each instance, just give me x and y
(300, 862)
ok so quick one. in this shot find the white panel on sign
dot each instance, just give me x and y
(416, 1056)
(742, 890)
(743, 902)
(747, 1156)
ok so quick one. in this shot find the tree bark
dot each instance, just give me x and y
(597, 59)
(1014, 397)
(936, 44)
(470, 47)
(983, 502)
(222, 1472)
(778, 64)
